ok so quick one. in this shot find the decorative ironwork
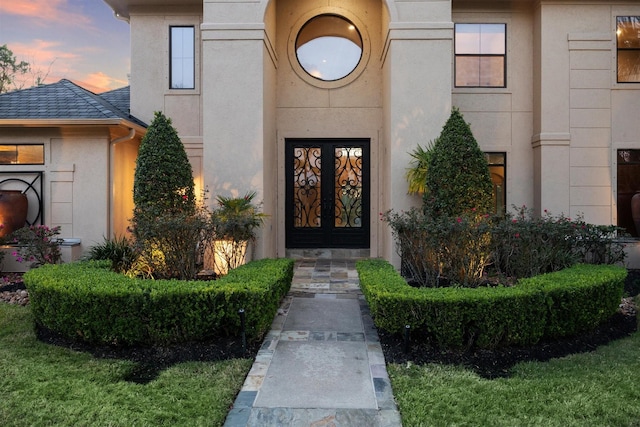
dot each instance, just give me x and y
(348, 187)
(327, 208)
(307, 187)
(30, 183)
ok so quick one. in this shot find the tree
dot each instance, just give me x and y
(166, 224)
(10, 68)
(163, 181)
(458, 179)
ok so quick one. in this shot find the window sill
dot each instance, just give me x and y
(480, 90)
(179, 92)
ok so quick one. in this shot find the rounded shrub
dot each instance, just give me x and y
(553, 305)
(89, 302)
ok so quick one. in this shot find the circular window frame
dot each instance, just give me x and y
(329, 84)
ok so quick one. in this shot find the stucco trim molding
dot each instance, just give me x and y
(420, 31)
(416, 31)
(590, 37)
(550, 139)
(589, 41)
(240, 31)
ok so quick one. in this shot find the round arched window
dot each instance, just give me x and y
(328, 47)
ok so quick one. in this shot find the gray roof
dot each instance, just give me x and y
(119, 98)
(66, 100)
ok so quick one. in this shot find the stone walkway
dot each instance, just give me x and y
(321, 364)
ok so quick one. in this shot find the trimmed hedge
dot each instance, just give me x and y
(551, 305)
(579, 298)
(86, 301)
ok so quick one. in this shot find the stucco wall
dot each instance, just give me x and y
(150, 92)
(309, 109)
(122, 175)
(502, 118)
(268, 240)
(560, 118)
(562, 115)
(76, 179)
(417, 80)
(583, 111)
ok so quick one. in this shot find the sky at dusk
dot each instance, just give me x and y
(79, 40)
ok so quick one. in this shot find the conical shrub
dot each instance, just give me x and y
(163, 181)
(458, 180)
(166, 225)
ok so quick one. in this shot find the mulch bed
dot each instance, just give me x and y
(498, 363)
(150, 361)
(488, 364)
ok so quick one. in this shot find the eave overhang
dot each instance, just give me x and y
(57, 123)
(122, 8)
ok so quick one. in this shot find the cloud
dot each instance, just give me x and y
(42, 52)
(100, 82)
(49, 62)
(63, 39)
(45, 12)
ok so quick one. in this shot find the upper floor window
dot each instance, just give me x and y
(22, 154)
(182, 55)
(480, 55)
(329, 47)
(628, 37)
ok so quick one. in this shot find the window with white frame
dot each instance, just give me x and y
(480, 55)
(22, 154)
(628, 52)
(182, 57)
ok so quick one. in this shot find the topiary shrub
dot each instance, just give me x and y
(163, 181)
(553, 305)
(166, 222)
(86, 301)
(457, 180)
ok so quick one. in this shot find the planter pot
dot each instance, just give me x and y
(13, 211)
(227, 255)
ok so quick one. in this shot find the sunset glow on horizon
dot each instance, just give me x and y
(78, 40)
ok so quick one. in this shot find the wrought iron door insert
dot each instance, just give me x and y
(327, 193)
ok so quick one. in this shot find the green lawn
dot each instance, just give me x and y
(591, 389)
(44, 385)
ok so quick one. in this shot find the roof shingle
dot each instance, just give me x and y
(66, 100)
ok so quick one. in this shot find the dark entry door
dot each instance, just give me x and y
(327, 193)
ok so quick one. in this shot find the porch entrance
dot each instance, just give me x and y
(327, 193)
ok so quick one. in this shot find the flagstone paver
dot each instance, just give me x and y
(321, 364)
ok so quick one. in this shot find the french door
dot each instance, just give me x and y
(327, 193)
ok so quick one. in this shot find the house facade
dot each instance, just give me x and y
(316, 104)
(72, 153)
